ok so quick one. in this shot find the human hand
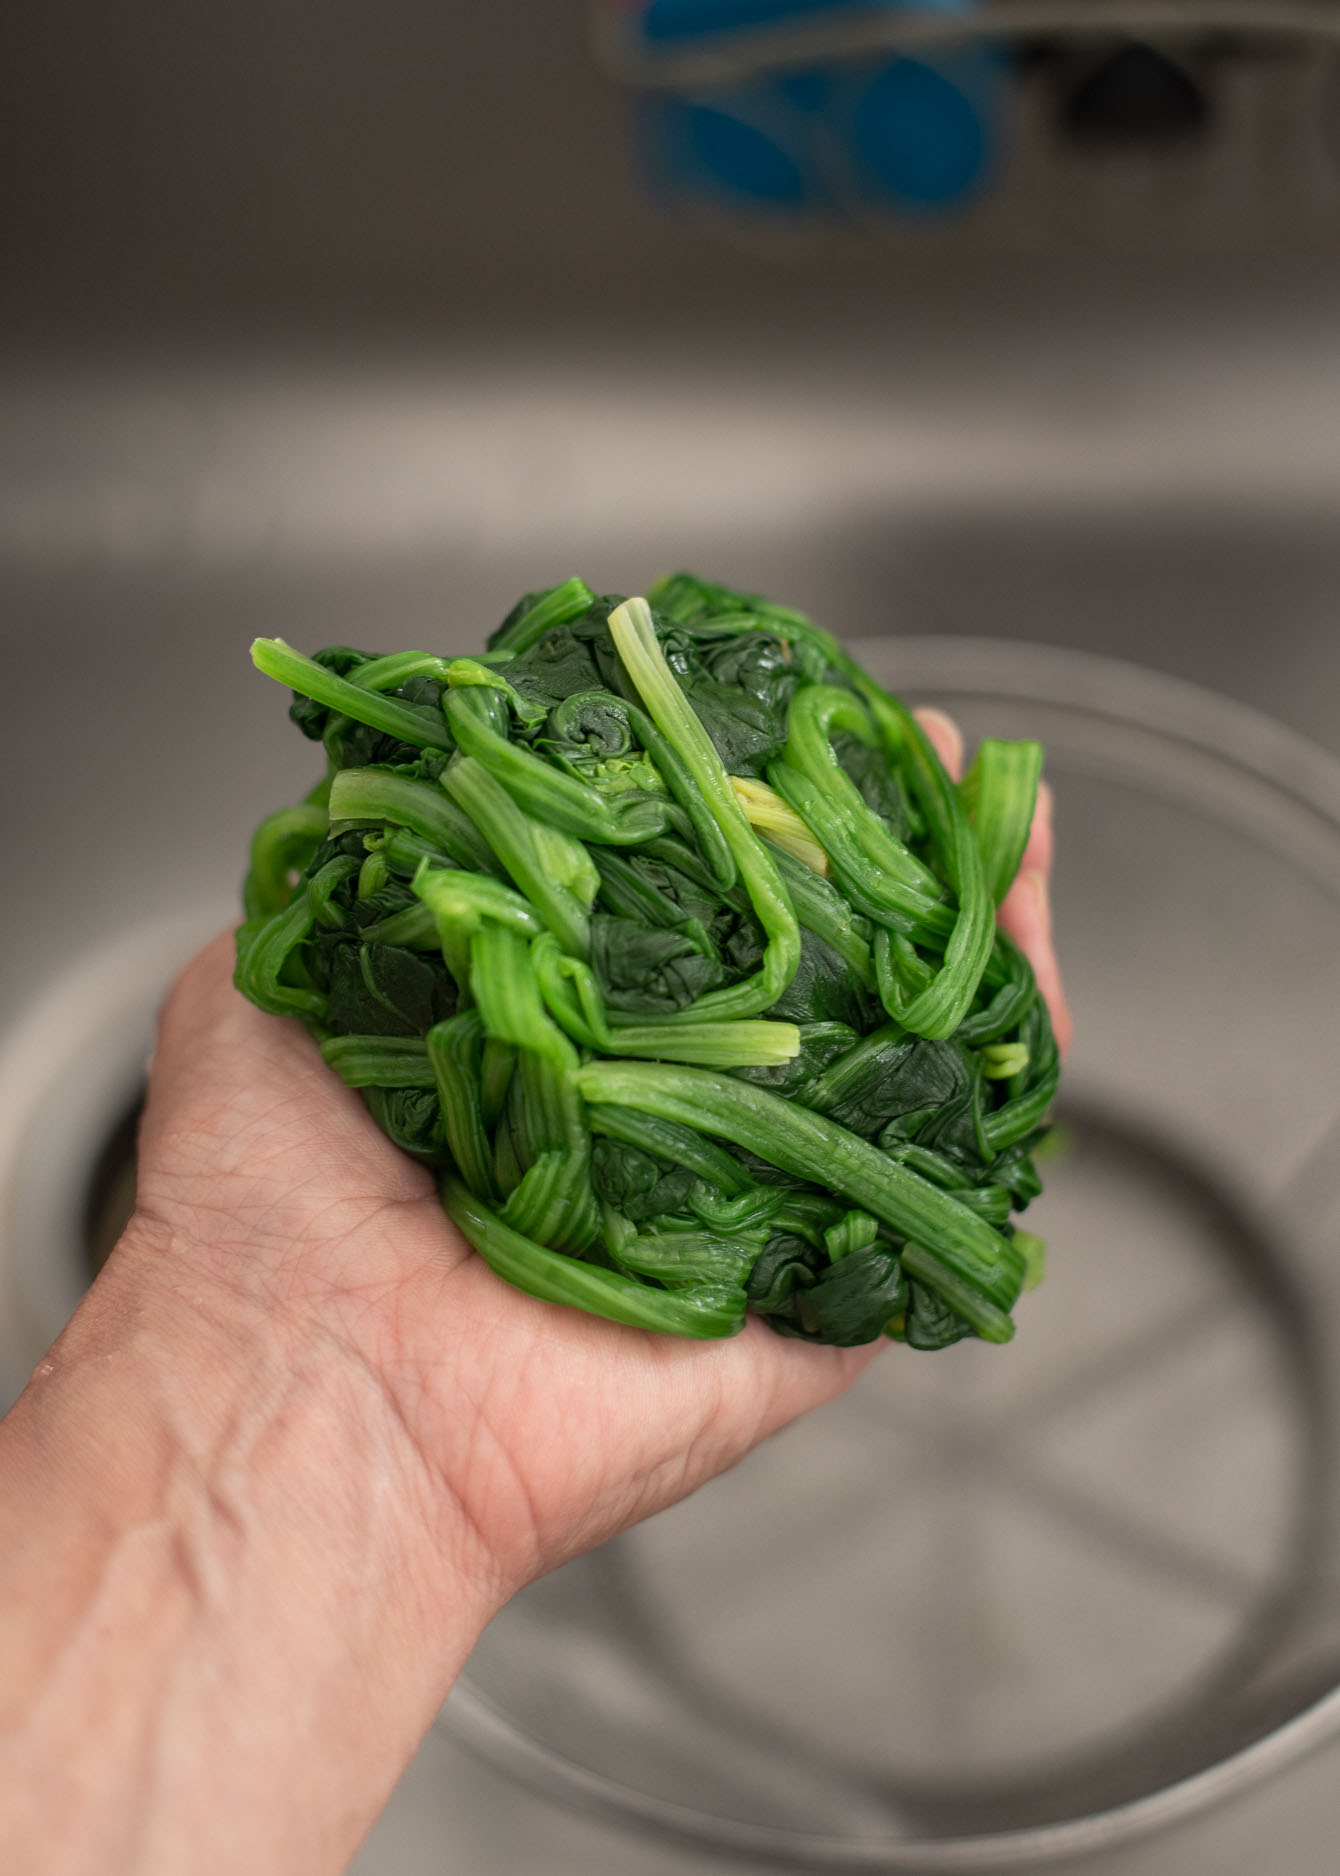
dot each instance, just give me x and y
(541, 1429)
(296, 1448)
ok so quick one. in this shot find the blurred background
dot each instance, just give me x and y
(349, 323)
(352, 323)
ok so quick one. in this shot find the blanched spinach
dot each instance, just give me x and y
(660, 932)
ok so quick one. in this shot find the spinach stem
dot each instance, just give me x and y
(635, 639)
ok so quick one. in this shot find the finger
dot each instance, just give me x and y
(946, 738)
(762, 1383)
(1038, 852)
(805, 1375)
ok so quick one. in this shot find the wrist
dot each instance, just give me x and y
(213, 1524)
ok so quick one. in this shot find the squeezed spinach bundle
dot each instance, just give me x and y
(660, 932)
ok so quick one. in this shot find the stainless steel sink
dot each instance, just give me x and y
(1173, 503)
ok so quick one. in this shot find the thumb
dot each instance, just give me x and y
(243, 1113)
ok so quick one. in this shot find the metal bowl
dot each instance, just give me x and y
(999, 1607)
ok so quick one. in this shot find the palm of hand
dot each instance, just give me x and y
(545, 1428)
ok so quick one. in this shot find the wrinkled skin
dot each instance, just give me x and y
(542, 1429)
